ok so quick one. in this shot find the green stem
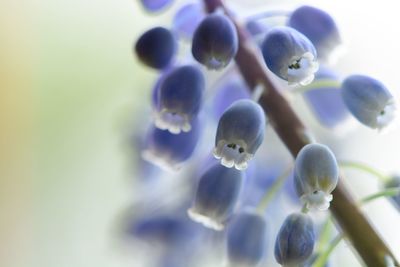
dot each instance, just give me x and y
(271, 192)
(365, 168)
(318, 84)
(390, 192)
(323, 257)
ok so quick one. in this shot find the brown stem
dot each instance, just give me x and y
(369, 245)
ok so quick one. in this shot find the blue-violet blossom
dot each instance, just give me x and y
(369, 101)
(316, 175)
(216, 196)
(179, 98)
(295, 241)
(246, 239)
(240, 132)
(290, 55)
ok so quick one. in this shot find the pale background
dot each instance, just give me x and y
(70, 86)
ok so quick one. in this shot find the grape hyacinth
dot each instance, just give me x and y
(187, 19)
(319, 27)
(295, 241)
(155, 5)
(290, 55)
(217, 119)
(246, 239)
(369, 101)
(179, 99)
(215, 42)
(240, 132)
(156, 48)
(169, 150)
(325, 98)
(316, 175)
(216, 196)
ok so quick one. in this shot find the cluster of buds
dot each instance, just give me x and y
(298, 53)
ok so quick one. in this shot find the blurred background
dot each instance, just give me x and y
(71, 88)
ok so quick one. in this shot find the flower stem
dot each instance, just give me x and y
(323, 257)
(318, 84)
(271, 192)
(365, 168)
(365, 239)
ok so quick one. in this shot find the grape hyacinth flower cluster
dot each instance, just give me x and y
(194, 117)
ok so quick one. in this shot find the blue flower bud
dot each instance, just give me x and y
(155, 5)
(327, 102)
(231, 90)
(215, 41)
(216, 197)
(240, 132)
(369, 101)
(290, 55)
(169, 150)
(187, 19)
(167, 229)
(179, 99)
(156, 47)
(316, 175)
(394, 182)
(318, 26)
(295, 240)
(247, 239)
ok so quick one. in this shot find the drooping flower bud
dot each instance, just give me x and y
(215, 42)
(187, 19)
(216, 196)
(295, 240)
(369, 101)
(326, 101)
(179, 99)
(247, 239)
(290, 55)
(155, 5)
(169, 150)
(316, 175)
(319, 27)
(240, 132)
(156, 47)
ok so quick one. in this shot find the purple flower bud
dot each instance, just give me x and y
(316, 175)
(215, 42)
(369, 101)
(247, 239)
(179, 99)
(169, 150)
(318, 26)
(155, 5)
(240, 132)
(327, 102)
(216, 197)
(187, 19)
(156, 48)
(295, 240)
(290, 55)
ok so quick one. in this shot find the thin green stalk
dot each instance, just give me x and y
(318, 84)
(323, 257)
(271, 192)
(365, 168)
(390, 192)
